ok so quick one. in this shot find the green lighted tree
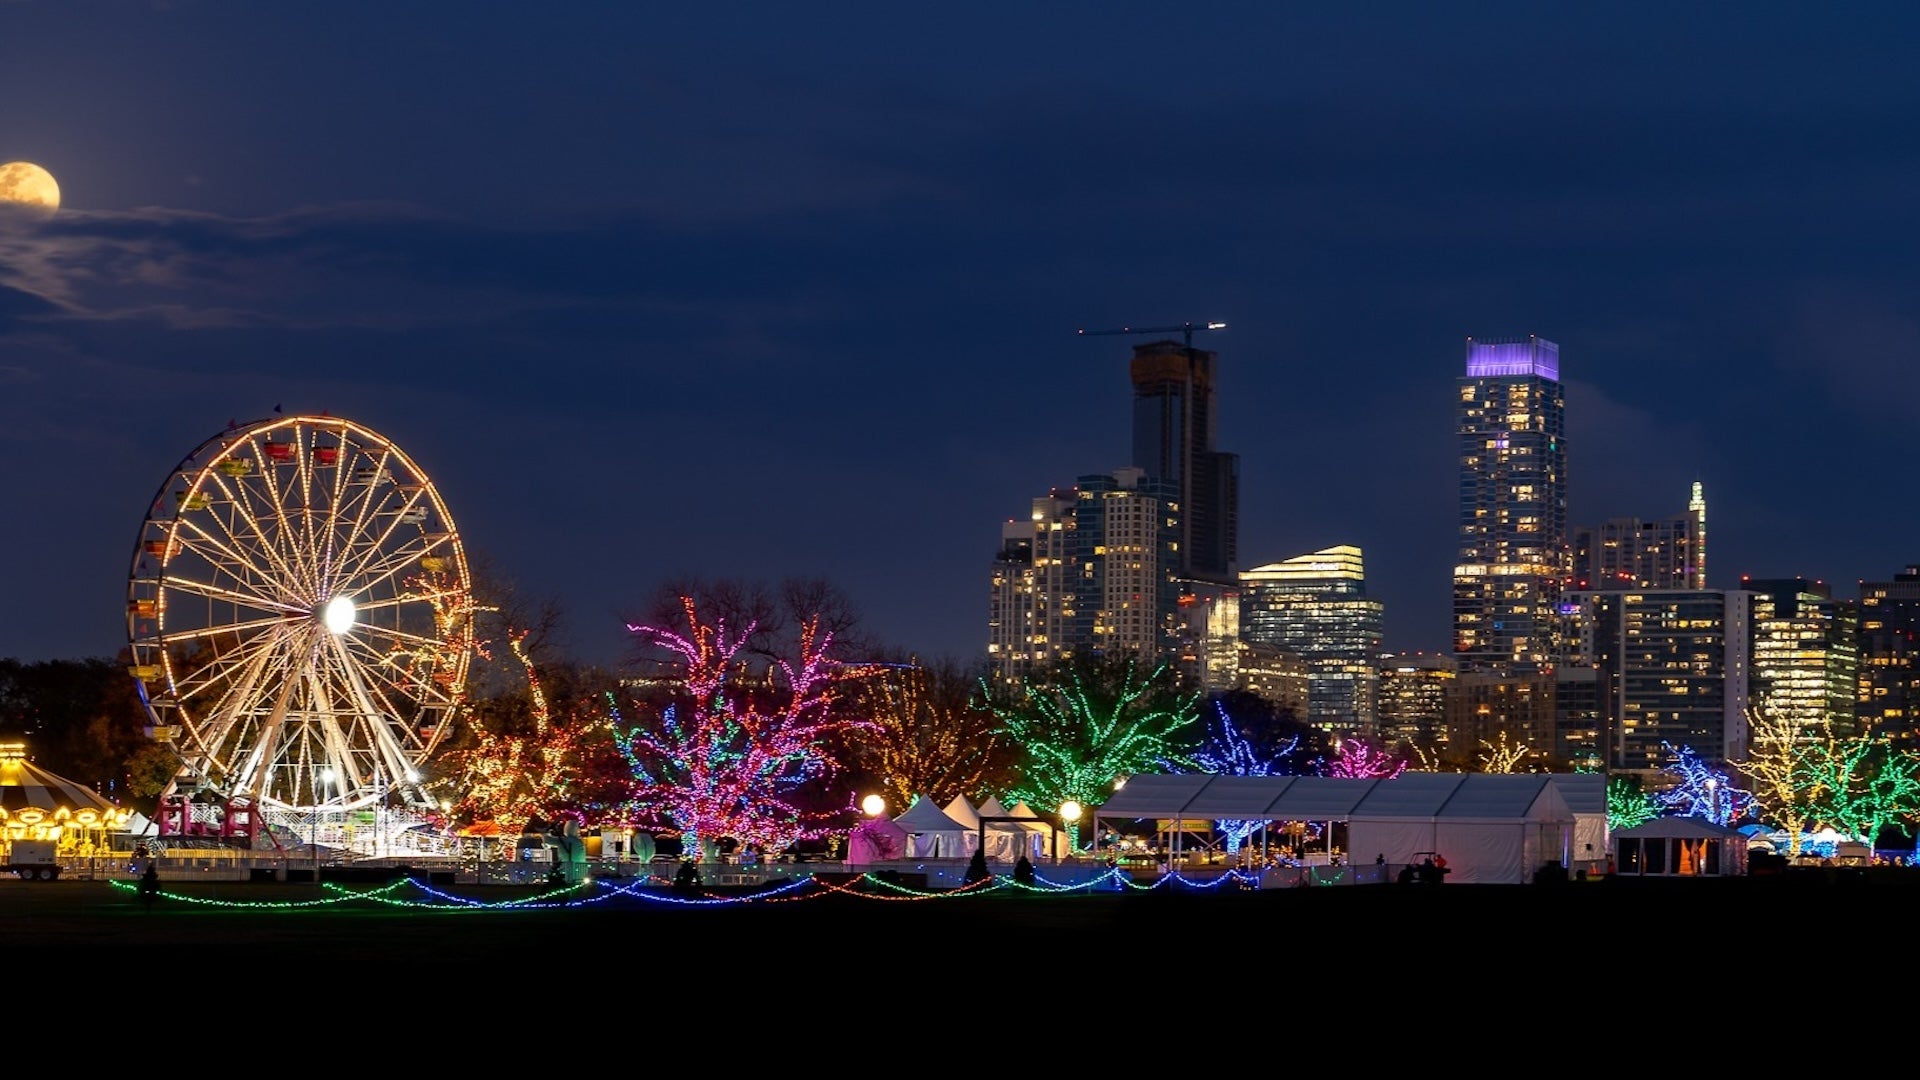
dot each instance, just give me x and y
(1628, 804)
(1865, 785)
(1085, 723)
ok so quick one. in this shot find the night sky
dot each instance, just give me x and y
(766, 290)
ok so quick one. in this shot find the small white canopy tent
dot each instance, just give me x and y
(931, 834)
(1006, 840)
(1680, 847)
(1049, 841)
(963, 812)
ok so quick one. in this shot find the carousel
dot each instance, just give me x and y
(38, 805)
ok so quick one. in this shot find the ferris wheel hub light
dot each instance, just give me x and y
(338, 615)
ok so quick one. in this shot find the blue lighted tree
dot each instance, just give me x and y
(1699, 790)
(1230, 750)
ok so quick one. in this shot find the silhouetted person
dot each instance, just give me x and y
(687, 879)
(150, 885)
(1023, 870)
(1430, 873)
(1407, 874)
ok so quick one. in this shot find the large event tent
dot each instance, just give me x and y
(1491, 827)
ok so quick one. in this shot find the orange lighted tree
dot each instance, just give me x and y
(514, 774)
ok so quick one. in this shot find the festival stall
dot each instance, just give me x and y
(1680, 847)
(931, 834)
(875, 840)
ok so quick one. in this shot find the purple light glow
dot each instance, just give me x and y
(1493, 359)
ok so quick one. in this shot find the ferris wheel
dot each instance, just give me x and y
(300, 614)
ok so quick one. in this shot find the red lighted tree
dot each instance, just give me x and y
(740, 752)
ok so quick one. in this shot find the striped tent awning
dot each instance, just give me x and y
(31, 794)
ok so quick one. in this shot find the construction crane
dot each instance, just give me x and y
(1184, 328)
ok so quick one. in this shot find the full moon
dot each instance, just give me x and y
(29, 187)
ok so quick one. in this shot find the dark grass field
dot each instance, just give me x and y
(301, 923)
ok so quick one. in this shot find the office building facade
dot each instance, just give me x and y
(1673, 669)
(1091, 572)
(1805, 655)
(1628, 553)
(1317, 606)
(1887, 695)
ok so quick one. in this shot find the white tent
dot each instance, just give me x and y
(1492, 828)
(1048, 840)
(931, 834)
(1586, 795)
(1680, 847)
(1006, 840)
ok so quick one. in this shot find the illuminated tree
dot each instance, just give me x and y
(743, 751)
(1501, 756)
(1230, 751)
(517, 769)
(1787, 787)
(1866, 786)
(1696, 789)
(1084, 724)
(929, 737)
(1357, 759)
(1628, 804)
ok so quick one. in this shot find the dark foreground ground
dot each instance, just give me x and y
(1335, 974)
(213, 924)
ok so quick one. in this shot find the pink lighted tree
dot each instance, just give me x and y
(1358, 759)
(740, 752)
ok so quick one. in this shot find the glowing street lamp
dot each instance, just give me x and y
(1070, 813)
(873, 806)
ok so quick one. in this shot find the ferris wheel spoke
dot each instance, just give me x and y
(226, 559)
(209, 591)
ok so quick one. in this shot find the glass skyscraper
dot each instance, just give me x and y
(1514, 557)
(1317, 606)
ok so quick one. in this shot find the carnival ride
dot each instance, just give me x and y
(300, 619)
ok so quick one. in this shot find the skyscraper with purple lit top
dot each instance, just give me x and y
(1514, 555)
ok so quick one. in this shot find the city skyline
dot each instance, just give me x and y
(758, 294)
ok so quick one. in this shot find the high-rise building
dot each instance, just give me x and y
(1033, 603)
(1412, 702)
(1887, 699)
(1174, 421)
(1317, 605)
(1514, 556)
(1628, 553)
(1091, 571)
(1805, 655)
(1128, 537)
(1673, 672)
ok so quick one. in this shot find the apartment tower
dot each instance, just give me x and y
(1514, 554)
